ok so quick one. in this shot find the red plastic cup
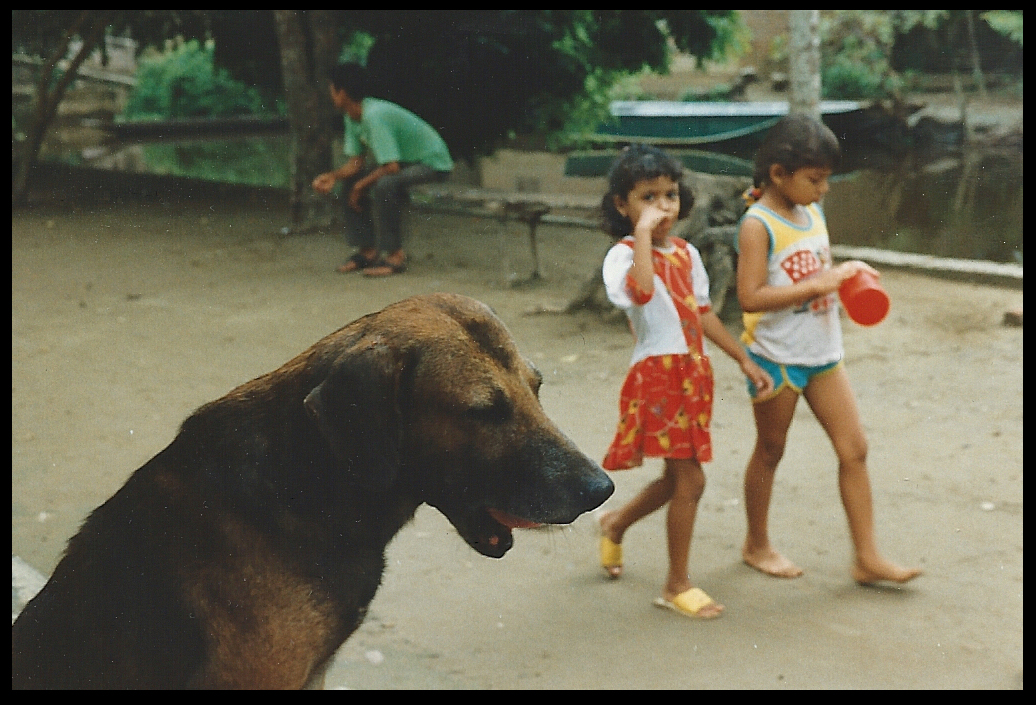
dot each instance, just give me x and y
(864, 299)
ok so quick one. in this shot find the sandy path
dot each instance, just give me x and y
(127, 317)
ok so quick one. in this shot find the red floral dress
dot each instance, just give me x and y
(665, 405)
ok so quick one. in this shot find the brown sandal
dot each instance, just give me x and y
(356, 263)
(384, 268)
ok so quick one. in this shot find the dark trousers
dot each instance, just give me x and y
(379, 223)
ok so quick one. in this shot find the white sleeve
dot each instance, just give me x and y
(699, 278)
(617, 264)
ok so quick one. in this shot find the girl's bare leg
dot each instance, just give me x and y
(688, 485)
(651, 498)
(772, 420)
(831, 398)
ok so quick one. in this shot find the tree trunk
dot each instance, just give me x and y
(90, 26)
(976, 63)
(307, 44)
(804, 61)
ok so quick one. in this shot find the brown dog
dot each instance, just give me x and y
(247, 551)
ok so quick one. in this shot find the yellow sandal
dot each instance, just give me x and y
(611, 557)
(689, 603)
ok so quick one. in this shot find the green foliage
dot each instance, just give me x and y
(856, 46)
(482, 76)
(847, 79)
(733, 37)
(356, 48)
(704, 35)
(183, 82)
(1006, 22)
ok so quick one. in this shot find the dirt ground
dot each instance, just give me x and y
(127, 315)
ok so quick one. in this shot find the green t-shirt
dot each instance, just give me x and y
(394, 134)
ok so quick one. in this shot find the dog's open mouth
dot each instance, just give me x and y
(490, 531)
(486, 529)
(511, 521)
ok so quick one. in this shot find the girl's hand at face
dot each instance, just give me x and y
(650, 218)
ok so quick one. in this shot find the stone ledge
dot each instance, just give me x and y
(977, 271)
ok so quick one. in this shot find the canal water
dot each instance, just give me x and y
(966, 205)
(962, 204)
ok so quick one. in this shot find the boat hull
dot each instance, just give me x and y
(704, 124)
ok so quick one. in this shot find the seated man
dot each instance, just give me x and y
(389, 150)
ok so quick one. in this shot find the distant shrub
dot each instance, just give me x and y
(183, 81)
(846, 79)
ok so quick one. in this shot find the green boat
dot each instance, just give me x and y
(709, 137)
(705, 125)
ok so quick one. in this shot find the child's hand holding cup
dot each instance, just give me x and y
(863, 297)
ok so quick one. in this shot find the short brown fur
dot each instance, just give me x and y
(247, 551)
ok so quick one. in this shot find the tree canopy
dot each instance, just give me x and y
(479, 76)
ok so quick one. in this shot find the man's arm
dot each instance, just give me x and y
(326, 181)
(369, 180)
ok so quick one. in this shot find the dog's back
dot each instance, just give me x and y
(104, 642)
(164, 579)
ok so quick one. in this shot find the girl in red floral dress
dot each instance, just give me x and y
(665, 404)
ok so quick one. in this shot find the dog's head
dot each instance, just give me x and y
(433, 397)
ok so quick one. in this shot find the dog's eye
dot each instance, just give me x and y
(496, 411)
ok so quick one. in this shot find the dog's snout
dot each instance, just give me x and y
(558, 482)
(599, 488)
(592, 488)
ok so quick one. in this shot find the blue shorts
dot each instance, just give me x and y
(794, 376)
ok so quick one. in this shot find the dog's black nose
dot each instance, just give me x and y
(557, 482)
(599, 487)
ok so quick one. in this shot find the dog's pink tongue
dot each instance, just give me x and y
(511, 521)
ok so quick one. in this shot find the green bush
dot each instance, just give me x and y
(847, 79)
(183, 82)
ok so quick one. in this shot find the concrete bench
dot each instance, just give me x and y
(571, 210)
(532, 209)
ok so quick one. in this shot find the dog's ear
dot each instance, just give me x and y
(357, 412)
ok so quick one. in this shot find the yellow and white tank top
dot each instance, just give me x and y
(809, 334)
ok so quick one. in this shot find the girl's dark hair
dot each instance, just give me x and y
(798, 140)
(639, 162)
(353, 79)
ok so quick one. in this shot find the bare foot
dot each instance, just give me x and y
(710, 611)
(770, 562)
(883, 571)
